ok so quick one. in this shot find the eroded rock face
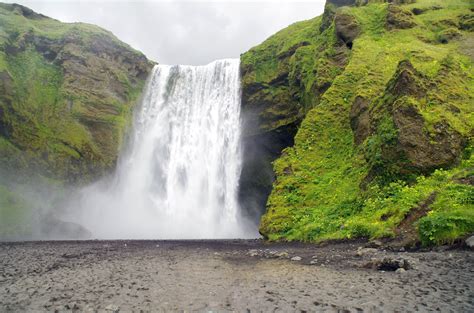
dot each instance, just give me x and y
(347, 28)
(398, 18)
(269, 125)
(426, 151)
(417, 149)
(360, 119)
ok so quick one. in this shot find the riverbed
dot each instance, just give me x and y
(231, 275)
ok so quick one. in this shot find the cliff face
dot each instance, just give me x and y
(66, 94)
(281, 80)
(380, 97)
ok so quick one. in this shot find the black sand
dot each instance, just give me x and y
(236, 275)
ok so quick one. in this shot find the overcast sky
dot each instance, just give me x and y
(183, 32)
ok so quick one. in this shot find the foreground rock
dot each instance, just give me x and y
(222, 276)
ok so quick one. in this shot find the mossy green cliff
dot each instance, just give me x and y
(372, 104)
(67, 92)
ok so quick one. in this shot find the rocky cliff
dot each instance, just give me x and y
(365, 115)
(66, 95)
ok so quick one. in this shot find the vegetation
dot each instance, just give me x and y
(393, 128)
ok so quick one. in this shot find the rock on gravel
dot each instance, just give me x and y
(388, 264)
(470, 242)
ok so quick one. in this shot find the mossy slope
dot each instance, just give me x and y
(391, 128)
(66, 95)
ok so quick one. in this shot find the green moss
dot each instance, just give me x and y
(324, 186)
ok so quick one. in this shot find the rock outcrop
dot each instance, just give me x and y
(347, 28)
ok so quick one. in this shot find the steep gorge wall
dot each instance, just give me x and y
(380, 97)
(67, 95)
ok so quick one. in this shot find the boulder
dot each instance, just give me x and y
(470, 242)
(415, 149)
(388, 264)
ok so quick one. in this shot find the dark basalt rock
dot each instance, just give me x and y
(257, 176)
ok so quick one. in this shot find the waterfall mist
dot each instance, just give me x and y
(178, 177)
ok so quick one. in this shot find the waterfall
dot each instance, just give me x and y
(178, 177)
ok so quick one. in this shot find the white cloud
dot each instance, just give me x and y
(184, 32)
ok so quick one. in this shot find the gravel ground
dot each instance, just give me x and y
(234, 275)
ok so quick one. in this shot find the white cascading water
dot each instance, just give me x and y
(179, 177)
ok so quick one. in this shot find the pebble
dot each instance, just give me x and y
(112, 307)
(296, 258)
(363, 251)
(253, 252)
(282, 254)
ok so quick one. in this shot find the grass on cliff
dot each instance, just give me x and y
(57, 126)
(317, 193)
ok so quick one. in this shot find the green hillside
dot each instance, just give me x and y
(383, 96)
